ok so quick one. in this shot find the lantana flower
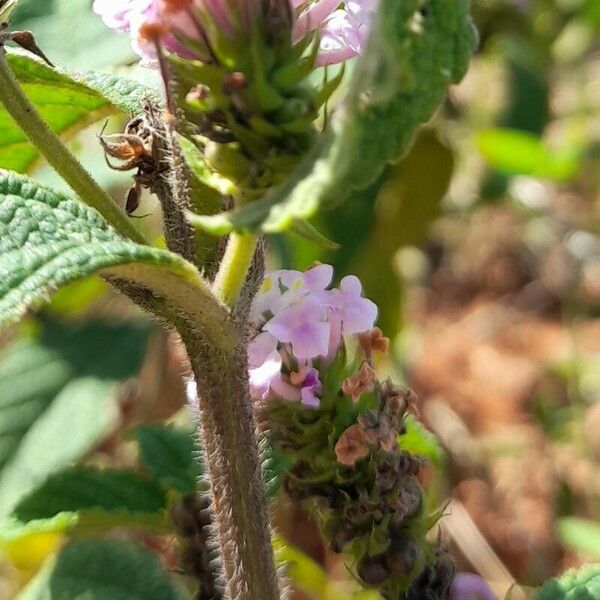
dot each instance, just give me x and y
(342, 26)
(301, 323)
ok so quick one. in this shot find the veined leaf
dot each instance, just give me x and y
(415, 51)
(48, 240)
(579, 584)
(68, 101)
(102, 570)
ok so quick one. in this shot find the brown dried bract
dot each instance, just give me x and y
(352, 445)
(362, 381)
(374, 341)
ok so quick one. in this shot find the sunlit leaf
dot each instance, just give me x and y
(68, 101)
(521, 153)
(576, 584)
(580, 535)
(48, 240)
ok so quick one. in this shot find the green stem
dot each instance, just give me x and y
(234, 267)
(232, 462)
(48, 143)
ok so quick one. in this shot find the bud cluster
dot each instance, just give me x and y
(242, 71)
(340, 428)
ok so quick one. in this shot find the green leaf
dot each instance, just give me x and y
(14, 530)
(68, 102)
(580, 535)
(309, 577)
(48, 240)
(521, 153)
(64, 28)
(79, 488)
(89, 521)
(48, 446)
(415, 51)
(102, 570)
(67, 376)
(418, 440)
(168, 453)
(580, 584)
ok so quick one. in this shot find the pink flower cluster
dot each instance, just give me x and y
(343, 26)
(301, 324)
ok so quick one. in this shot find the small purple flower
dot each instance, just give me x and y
(300, 327)
(304, 325)
(310, 385)
(468, 586)
(354, 313)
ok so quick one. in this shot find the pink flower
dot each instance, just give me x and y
(357, 314)
(300, 326)
(342, 26)
(304, 325)
(281, 288)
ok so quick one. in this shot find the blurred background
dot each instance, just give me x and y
(481, 249)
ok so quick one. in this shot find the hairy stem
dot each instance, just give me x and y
(234, 267)
(48, 143)
(232, 459)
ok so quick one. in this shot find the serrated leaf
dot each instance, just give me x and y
(418, 440)
(580, 535)
(68, 102)
(102, 570)
(415, 51)
(80, 488)
(47, 385)
(168, 453)
(576, 584)
(48, 240)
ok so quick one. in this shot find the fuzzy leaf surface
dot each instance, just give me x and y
(415, 51)
(576, 584)
(68, 102)
(48, 240)
(102, 570)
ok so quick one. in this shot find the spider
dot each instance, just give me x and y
(137, 148)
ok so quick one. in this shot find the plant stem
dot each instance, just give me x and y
(56, 153)
(234, 267)
(232, 459)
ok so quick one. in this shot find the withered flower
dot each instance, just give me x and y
(352, 445)
(362, 381)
